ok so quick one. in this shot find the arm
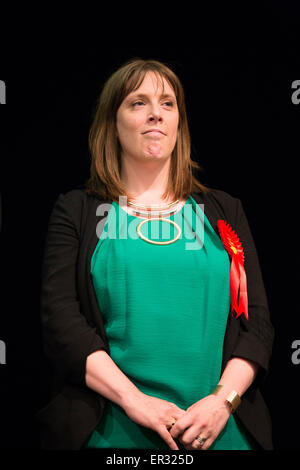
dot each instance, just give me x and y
(105, 377)
(238, 375)
(68, 338)
(256, 335)
(209, 415)
(77, 353)
(246, 358)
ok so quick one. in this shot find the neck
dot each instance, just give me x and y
(147, 180)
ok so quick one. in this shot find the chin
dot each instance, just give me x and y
(155, 153)
(155, 158)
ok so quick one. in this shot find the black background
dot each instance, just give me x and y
(245, 135)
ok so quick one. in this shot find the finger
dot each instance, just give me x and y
(179, 413)
(175, 432)
(195, 445)
(192, 446)
(176, 415)
(173, 418)
(164, 433)
(179, 427)
(207, 444)
(186, 440)
(189, 437)
(171, 422)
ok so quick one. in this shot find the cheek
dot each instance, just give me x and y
(176, 123)
(173, 122)
(173, 127)
(173, 133)
(128, 124)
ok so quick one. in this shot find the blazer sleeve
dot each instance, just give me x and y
(68, 338)
(256, 335)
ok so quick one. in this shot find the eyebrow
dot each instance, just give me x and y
(143, 95)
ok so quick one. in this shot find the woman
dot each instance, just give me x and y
(138, 328)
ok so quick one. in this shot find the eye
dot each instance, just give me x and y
(137, 103)
(169, 104)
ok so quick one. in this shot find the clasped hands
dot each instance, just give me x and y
(198, 426)
(203, 420)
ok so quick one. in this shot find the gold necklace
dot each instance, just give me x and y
(155, 206)
(160, 214)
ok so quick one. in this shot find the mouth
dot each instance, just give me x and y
(154, 132)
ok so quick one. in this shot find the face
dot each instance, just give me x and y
(147, 120)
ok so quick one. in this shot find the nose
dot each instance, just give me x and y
(155, 115)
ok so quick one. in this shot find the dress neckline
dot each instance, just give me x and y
(142, 217)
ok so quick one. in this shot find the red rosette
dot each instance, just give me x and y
(238, 280)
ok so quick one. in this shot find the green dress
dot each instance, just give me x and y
(165, 310)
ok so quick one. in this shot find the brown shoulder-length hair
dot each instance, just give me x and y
(105, 170)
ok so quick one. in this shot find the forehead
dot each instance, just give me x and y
(154, 83)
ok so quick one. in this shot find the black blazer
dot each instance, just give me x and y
(72, 324)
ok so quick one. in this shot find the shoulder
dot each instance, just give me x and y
(73, 206)
(77, 198)
(79, 205)
(73, 196)
(221, 196)
(221, 203)
(69, 203)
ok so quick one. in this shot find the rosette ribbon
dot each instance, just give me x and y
(238, 280)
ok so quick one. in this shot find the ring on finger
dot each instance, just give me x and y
(201, 440)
